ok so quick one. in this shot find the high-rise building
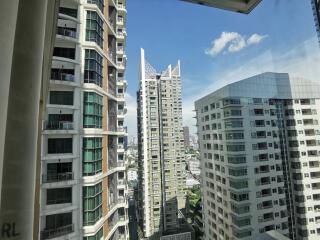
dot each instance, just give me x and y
(161, 158)
(241, 6)
(186, 137)
(83, 185)
(316, 15)
(259, 145)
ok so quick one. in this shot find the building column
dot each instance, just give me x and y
(22, 64)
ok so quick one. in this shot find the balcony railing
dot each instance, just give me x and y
(122, 129)
(120, 95)
(62, 76)
(57, 177)
(121, 181)
(120, 48)
(120, 64)
(119, 200)
(120, 146)
(58, 125)
(57, 232)
(121, 7)
(67, 32)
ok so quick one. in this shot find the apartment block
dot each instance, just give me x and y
(260, 145)
(83, 169)
(161, 158)
(186, 137)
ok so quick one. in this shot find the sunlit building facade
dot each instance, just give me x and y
(83, 167)
(260, 143)
(161, 160)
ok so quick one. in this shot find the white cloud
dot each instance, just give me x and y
(255, 39)
(233, 42)
(302, 60)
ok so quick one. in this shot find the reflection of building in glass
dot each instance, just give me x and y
(259, 144)
(241, 6)
(160, 150)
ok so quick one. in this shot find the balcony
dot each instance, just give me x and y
(67, 32)
(120, 146)
(120, 95)
(59, 75)
(121, 7)
(315, 175)
(57, 232)
(58, 125)
(120, 21)
(57, 177)
(122, 129)
(121, 182)
(121, 65)
(315, 186)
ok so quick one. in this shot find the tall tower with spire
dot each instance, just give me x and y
(161, 149)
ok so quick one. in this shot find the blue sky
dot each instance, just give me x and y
(279, 35)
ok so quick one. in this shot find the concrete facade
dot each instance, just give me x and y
(186, 137)
(259, 145)
(83, 167)
(161, 160)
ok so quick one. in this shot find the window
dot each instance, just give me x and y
(94, 28)
(92, 204)
(59, 145)
(230, 101)
(59, 195)
(93, 67)
(100, 5)
(61, 97)
(64, 52)
(92, 116)
(238, 184)
(236, 159)
(234, 135)
(69, 11)
(233, 123)
(92, 156)
(55, 221)
(236, 147)
(238, 171)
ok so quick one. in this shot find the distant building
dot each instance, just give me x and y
(186, 137)
(316, 14)
(132, 174)
(241, 6)
(161, 154)
(191, 181)
(194, 166)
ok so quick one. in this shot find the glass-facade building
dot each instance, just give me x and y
(259, 146)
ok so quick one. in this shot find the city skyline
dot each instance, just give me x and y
(265, 48)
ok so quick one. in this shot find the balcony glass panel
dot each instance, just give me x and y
(92, 156)
(92, 115)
